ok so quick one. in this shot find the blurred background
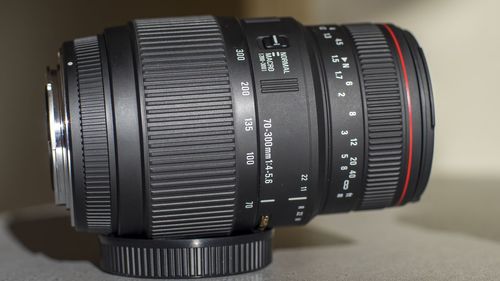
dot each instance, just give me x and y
(461, 39)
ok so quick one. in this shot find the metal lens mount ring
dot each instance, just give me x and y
(58, 139)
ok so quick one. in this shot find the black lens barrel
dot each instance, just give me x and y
(204, 126)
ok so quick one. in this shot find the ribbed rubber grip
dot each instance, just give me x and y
(186, 258)
(383, 99)
(94, 135)
(188, 116)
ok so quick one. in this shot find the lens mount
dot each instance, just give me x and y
(58, 127)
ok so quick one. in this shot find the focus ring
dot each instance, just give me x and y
(189, 131)
(94, 135)
(384, 115)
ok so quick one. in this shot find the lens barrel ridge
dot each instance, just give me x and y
(188, 126)
(94, 135)
(384, 107)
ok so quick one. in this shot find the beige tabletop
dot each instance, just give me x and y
(453, 234)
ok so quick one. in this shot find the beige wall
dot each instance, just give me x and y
(461, 39)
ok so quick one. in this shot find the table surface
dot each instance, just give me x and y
(453, 234)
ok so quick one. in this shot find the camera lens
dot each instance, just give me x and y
(198, 127)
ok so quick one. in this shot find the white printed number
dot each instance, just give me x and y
(250, 158)
(240, 54)
(245, 88)
(248, 124)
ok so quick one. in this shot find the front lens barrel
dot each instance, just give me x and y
(379, 108)
(204, 126)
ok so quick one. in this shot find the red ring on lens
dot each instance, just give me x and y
(410, 113)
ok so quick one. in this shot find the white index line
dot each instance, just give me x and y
(275, 39)
(297, 198)
(267, 201)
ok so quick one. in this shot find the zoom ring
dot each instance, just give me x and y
(383, 100)
(189, 126)
(174, 259)
(94, 135)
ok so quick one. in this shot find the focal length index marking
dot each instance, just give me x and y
(297, 198)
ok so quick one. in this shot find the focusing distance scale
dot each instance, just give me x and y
(184, 141)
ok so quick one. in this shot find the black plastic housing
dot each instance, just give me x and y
(186, 132)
